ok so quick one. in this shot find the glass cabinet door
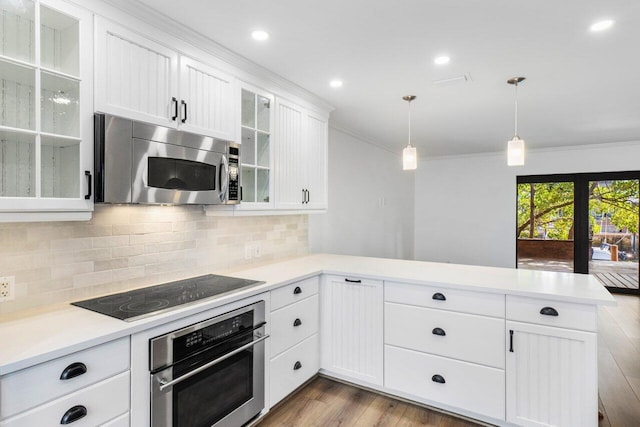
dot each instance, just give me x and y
(256, 120)
(42, 126)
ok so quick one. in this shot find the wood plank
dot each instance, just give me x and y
(620, 402)
(604, 422)
(324, 402)
(383, 412)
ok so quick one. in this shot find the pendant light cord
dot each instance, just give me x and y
(409, 124)
(516, 118)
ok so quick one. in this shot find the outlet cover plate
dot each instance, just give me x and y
(7, 288)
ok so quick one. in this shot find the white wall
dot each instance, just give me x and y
(371, 202)
(465, 208)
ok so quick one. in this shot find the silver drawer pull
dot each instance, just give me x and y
(166, 384)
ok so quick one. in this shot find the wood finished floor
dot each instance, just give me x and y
(326, 403)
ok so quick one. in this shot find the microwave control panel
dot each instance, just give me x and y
(234, 181)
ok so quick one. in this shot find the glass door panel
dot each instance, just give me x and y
(58, 41)
(17, 86)
(262, 186)
(59, 105)
(248, 184)
(17, 164)
(17, 30)
(545, 228)
(613, 233)
(60, 162)
(256, 148)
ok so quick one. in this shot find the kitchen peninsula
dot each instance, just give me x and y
(461, 338)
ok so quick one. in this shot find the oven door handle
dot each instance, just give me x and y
(166, 384)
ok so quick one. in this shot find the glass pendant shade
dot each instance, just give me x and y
(409, 158)
(515, 152)
(515, 147)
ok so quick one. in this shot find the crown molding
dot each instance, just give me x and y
(163, 22)
(356, 135)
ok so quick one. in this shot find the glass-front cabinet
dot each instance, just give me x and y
(46, 116)
(256, 153)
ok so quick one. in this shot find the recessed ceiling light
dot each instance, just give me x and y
(260, 35)
(335, 83)
(601, 25)
(441, 60)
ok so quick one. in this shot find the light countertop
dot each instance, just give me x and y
(28, 340)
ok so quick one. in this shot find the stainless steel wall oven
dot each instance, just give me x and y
(210, 373)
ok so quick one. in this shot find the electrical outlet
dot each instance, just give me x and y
(7, 285)
(256, 251)
(248, 251)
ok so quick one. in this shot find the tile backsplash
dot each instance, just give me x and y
(125, 247)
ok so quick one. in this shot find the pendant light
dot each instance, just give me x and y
(515, 147)
(409, 154)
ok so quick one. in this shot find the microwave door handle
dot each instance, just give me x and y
(166, 384)
(223, 189)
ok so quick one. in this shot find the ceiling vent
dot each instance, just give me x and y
(465, 78)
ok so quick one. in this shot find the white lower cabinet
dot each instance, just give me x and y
(352, 328)
(88, 407)
(476, 339)
(451, 382)
(294, 354)
(293, 324)
(87, 388)
(292, 368)
(551, 376)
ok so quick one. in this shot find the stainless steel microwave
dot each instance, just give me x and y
(138, 162)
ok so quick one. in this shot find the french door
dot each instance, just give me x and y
(585, 223)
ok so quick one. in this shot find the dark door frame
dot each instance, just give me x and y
(581, 212)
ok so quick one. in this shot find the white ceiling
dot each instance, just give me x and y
(581, 87)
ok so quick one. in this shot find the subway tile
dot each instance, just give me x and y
(91, 279)
(125, 247)
(59, 271)
(110, 241)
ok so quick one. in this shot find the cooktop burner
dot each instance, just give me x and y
(139, 303)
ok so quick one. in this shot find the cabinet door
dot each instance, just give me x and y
(135, 77)
(315, 161)
(46, 128)
(256, 153)
(207, 100)
(551, 376)
(351, 328)
(290, 170)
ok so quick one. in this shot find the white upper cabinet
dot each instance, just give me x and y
(316, 161)
(207, 100)
(256, 128)
(136, 77)
(301, 160)
(46, 150)
(290, 173)
(141, 79)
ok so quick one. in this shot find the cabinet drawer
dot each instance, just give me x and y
(33, 386)
(476, 339)
(294, 292)
(433, 296)
(293, 323)
(463, 385)
(102, 401)
(558, 313)
(293, 367)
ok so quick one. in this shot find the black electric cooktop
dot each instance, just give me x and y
(139, 303)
